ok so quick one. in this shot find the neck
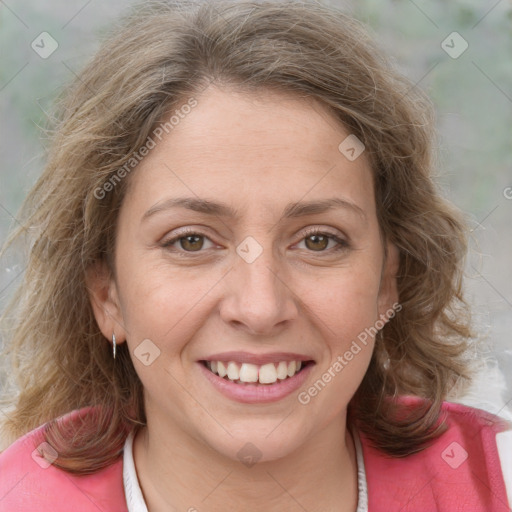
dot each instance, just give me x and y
(186, 475)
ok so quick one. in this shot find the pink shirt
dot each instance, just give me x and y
(459, 471)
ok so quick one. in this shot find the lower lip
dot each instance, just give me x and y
(257, 393)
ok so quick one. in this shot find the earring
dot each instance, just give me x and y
(114, 345)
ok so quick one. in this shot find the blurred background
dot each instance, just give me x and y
(459, 52)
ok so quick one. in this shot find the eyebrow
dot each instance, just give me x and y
(292, 210)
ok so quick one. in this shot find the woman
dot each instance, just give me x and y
(241, 266)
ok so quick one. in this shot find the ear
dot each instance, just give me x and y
(105, 301)
(388, 292)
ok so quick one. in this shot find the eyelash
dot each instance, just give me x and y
(342, 244)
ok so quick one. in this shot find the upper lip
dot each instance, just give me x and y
(257, 359)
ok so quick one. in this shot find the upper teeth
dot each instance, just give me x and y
(246, 372)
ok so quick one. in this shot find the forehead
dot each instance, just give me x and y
(256, 149)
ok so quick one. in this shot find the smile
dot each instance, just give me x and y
(258, 381)
(246, 373)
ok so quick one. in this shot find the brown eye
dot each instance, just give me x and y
(191, 242)
(188, 242)
(317, 242)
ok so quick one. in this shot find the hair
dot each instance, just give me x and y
(162, 55)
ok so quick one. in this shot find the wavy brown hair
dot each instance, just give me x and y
(161, 55)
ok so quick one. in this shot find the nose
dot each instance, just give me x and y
(259, 300)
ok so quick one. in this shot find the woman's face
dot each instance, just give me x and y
(246, 230)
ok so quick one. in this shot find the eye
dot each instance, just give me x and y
(317, 240)
(189, 241)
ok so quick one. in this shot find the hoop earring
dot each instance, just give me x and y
(387, 361)
(114, 345)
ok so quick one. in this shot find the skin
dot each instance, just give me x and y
(257, 153)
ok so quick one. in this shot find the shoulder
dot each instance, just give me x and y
(30, 481)
(460, 470)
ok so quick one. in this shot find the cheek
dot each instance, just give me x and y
(345, 303)
(162, 304)
(345, 312)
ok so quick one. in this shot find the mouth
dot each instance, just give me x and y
(249, 374)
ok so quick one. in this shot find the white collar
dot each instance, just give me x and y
(135, 500)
